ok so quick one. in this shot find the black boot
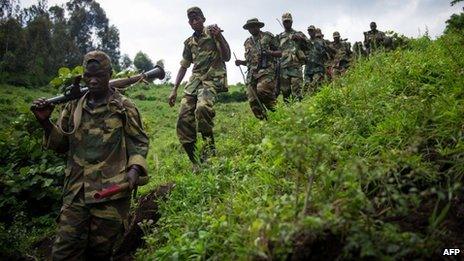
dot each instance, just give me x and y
(191, 148)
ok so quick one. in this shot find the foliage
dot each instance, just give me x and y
(375, 159)
(142, 62)
(30, 179)
(36, 41)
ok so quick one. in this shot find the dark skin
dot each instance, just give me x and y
(97, 80)
(336, 39)
(197, 22)
(312, 34)
(255, 32)
(288, 27)
(373, 27)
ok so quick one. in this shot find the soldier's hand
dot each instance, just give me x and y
(172, 98)
(42, 109)
(239, 62)
(296, 37)
(133, 178)
(215, 30)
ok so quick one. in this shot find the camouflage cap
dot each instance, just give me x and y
(336, 34)
(287, 17)
(101, 57)
(311, 28)
(195, 10)
(319, 32)
(251, 22)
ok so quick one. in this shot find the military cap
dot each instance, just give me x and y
(101, 57)
(287, 17)
(319, 32)
(336, 34)
(311, 28)
(251, 22)
(195, 10)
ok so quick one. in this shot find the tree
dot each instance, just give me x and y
(126, 62)
(142, 62)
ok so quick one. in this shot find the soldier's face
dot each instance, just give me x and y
(196, 21)
(254, 30)
(373, 26)
(312, 33)
(336, 39)
(96, 78)
(288, 24)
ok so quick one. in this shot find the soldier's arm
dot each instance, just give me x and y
(54, 138)
(187, 59)
(223, 45)
(137, 141)
(275, 52)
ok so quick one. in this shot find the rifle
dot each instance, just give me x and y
(278, 79)
(75, 91)
(252, 91)
(115, 189)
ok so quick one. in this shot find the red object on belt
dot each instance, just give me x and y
(108, 192)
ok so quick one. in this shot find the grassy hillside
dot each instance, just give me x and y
(371, 166)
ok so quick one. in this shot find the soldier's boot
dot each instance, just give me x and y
(209, 149)
(191, 149)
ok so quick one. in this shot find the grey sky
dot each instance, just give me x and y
(159, 28)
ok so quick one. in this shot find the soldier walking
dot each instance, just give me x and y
(207, 50)
(316, 57)
(341, 60)
(293, 45)
(261, 49)
(374, 39)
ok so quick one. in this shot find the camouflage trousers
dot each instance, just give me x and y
(291, 83)
(264, 90)
(196, 114)
(89, 231)
(313, 82)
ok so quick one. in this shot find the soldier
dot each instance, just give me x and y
(105, 143)
(208, 50)
(316, 56)
(342, 54)
(374, 39)
(260, 50)
(293, 47)
(329, 53)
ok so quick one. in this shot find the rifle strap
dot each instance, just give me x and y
(77, 115)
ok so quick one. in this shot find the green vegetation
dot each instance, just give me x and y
(370, 166)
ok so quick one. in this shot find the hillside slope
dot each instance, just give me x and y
(371, 166)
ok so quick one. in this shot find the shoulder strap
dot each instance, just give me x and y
(77, 115)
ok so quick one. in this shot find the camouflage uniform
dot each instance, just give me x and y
(208, 77)
(374, 39)
(101, 144)
(261, 81)
(316, 57)
(342, 55)
(293, 58)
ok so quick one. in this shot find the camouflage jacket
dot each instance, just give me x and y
(293, 52)
(374, 39)
(108, 139)
(253, 47)
(342, 51)
(316, 56)
(208, 66)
